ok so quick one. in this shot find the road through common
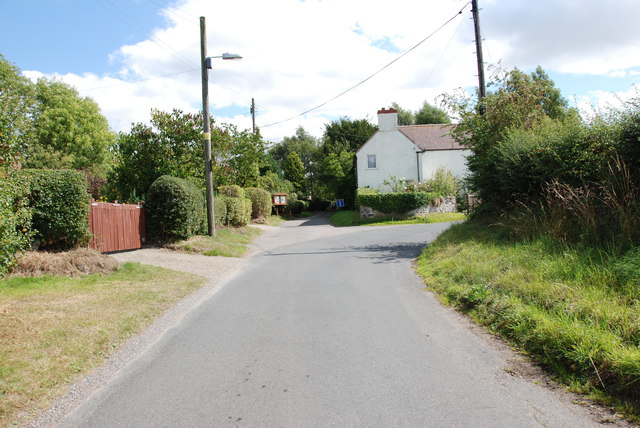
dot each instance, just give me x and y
(325, 327)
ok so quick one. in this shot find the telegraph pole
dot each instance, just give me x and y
(206, 131)
(253, 114)
(476, 26)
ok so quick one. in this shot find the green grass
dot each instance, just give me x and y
(577, 311)
(228, 242)
(55, 329)
(352, 218)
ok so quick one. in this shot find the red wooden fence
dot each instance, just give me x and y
(116, 227)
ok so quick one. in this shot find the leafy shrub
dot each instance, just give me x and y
(395, 203)
(232, 191)
(15, 221)
(260, 202)
(238, 211)
(175, 209)
(443, 183)
(60, 203)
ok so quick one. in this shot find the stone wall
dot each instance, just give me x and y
(441, 205)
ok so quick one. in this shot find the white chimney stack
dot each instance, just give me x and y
(387, 119)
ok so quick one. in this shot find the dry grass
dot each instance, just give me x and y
(73, 264)
(55, 329)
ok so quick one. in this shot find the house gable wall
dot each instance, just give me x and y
(395, 155)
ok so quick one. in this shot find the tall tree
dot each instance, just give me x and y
(294, 172)
(17, 103)
(346, 134)
(519, 101)
(405, 117)
(430, 114)
(71, 133)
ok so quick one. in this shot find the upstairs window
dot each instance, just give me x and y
(371, 162)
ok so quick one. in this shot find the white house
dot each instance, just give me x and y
(412, 152)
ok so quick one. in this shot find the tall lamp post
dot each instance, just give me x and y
(205, 64)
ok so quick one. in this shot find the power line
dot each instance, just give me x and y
(373, 75)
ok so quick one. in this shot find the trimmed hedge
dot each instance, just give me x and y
(238, 211)
(220, 210)
(232, 191)
(175, 209)
(395, 203)
(260, 202)
(60, 203)
(15, 221)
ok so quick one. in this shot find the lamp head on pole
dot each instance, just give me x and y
(225, 56)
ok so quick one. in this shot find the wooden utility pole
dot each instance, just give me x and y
(476, 26)
(253, 114)
(206, 129)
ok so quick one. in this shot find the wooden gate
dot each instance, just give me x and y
(116, 227)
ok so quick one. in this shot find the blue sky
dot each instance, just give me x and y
(134, 55)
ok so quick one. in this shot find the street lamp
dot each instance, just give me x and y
(205, 63)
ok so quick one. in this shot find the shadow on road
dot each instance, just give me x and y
(377, 253)
(320, 219)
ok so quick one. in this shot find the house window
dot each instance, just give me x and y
(371, 162)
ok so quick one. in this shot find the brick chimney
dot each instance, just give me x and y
(387, 119)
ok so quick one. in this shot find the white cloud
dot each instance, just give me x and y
(299, 54)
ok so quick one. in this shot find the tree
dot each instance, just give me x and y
(71, 133)
(17, 102)
(346, 134)
(294, 172)
(519, 102)
(303, 143)
(429, 114)
(172, 145)
(405, 117)
(426, 115)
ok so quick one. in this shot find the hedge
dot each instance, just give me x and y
(175, 209)
(60, 203)
(232, 191)
(395, 203)
(238, 211)
(15, 221)
(260, 202)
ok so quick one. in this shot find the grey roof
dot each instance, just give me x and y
(431, 137)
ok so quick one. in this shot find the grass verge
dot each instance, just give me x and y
(352, 218)
(54, 329)
(576, 311)
(228, 242)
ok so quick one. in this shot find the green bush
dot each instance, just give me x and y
(175, 209)
(394, 203)
(260, 202)
(15, 221)
(238, 211)
(443, 183)
(232, 191)
(220, 209)
(60, 202)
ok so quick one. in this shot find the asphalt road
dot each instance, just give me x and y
(330, 331)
